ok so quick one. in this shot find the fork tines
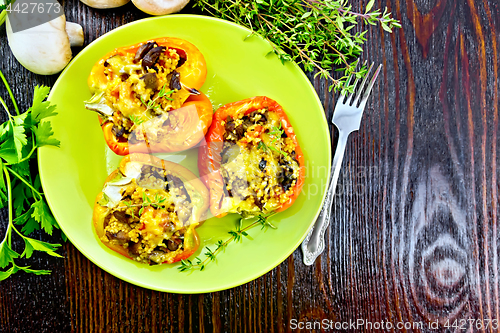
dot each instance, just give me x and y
(358, 90)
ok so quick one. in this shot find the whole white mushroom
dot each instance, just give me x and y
(160, 7)
(46, 48)
(102, 4)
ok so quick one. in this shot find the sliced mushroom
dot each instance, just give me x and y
(174, 79)
(143, 50)
(192, 91)
(173, 244)
(118, 131)
(150, 80)
(45, 49)
(152, 56)
(160, 7)
(120, 236)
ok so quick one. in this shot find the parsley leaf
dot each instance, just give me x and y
(40, 109)
(34, 271)
(33, 244)
(4, 130)
(23, 169)
(19, 139)
(43, 133)
(9, 149)
(6, 254)
(20, 194)
(3, 189)
(63, 236)
(29, 224)
(7, 273)
(41, 214)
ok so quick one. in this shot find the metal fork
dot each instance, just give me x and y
(347, 118)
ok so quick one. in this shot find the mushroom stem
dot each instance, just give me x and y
(75, 34)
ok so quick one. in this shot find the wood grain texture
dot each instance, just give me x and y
(414, 236)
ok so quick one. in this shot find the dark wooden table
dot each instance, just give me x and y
(414, 237)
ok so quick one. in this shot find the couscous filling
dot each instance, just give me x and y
(141, 89)
(151, 218)
(258, 163)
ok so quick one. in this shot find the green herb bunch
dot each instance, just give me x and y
(20, 191)
(316, 34)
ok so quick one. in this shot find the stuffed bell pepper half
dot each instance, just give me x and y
(252, 162)
(148, 99)
(149, 209)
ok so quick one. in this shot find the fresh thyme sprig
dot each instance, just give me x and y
(316, 34)
(236, 236)
(129, 204)
(156, 203)
(153, 104)
(277, 132)
(264, 147)
(136, 120)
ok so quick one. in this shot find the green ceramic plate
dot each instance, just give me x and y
(238, 68)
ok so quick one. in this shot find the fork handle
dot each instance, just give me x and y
(314, 243)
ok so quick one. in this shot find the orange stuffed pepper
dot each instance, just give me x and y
(252, 162)
(148, 99)
(149, 209)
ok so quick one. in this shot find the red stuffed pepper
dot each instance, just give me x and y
(149, 209)
(147, 97)
(252, 162)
